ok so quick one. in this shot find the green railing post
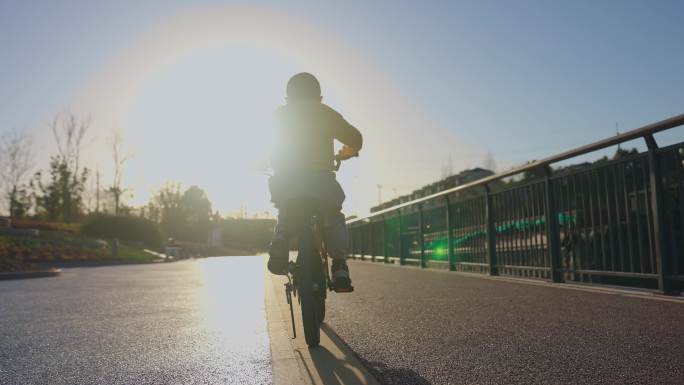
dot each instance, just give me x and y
(401, 243)
(350, 232)
(371, 241)
(357, 244)
(552, 229)
(421, 236)
(450, 235)
(362, 249)
(662, 251)
(384, 239)
(491, 232)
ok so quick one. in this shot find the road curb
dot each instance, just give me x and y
(286, 370)
(293, 362)
(29, 274)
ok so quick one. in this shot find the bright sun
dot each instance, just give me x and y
(206, 120)
(195, 95)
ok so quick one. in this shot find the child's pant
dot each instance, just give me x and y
(320, 187)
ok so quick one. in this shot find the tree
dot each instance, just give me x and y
(119, 158)
(151, 211)
(196, 206)
(622, 153)
(167, 203)
(184, 216)
(16, 149)
(197, 213)
(62, 196)
(537, 173)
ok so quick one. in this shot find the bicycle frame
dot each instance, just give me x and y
(308, 277)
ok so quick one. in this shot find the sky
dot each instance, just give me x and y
(191, 85)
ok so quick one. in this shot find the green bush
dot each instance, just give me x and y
(126, 228)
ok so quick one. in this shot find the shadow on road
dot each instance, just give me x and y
(336, 374)
(332, 363)
(338, 371)
(387, 375)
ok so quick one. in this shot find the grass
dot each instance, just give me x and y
(133, 254)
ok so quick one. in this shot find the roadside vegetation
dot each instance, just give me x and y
(32, 253)
(69, 212)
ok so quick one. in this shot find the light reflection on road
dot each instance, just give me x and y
(232, 303)
(186, 322)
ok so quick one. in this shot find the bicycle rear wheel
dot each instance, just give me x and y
(310, 292)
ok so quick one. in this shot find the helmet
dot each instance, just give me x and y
(303, 86)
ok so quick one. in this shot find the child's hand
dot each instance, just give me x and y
(347, 152)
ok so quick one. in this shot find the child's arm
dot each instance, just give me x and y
(347, 134)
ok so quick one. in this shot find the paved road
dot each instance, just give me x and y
(203, 322)
(191, 322)
(412, 326)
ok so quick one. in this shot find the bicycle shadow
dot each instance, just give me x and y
(328, 369)
(388, 375)
(336, 370)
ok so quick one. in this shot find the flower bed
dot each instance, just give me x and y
(14, 251)
(25, 253)
(72, 228)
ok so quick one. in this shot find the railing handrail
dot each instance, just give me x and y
(640, 132)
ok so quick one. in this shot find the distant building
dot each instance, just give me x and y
(572, 168)
(464, 177)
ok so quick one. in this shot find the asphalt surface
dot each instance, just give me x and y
(190, 322)
(412, 326)
(203, 322)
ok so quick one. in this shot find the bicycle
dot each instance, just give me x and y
(308, 277)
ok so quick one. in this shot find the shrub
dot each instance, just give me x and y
(45, 226)
(133, 229)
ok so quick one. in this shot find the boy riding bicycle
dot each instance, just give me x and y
(303, 162)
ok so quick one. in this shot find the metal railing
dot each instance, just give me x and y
(617, 221)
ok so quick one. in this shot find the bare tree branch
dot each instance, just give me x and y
(16, 148)
(119, 158)
(64, 193)
(69, 132)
